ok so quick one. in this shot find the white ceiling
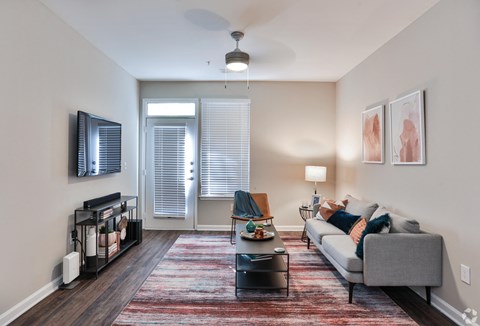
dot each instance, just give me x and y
(288, 40)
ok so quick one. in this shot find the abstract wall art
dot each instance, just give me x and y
(372, 135)
(407, 129)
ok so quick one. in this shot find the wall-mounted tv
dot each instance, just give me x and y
(99, 145)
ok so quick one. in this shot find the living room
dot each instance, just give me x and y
(49, 71)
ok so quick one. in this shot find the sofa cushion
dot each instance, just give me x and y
(342, 249)
(398, 224)
(373, 226)
(343, 220)
(328, 207)
(357, 230)
(360, 207)
(318, 229)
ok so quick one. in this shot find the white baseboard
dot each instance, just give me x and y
(14, 312)
(289, 228)
(227, 228)
(443, 306)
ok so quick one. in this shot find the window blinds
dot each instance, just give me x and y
(169, 189)
(225, 147)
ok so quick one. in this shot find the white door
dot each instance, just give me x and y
(170, 185)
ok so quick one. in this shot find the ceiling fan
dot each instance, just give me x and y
(268, 54)
(237, 60)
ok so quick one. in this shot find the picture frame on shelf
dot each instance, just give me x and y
(407, 129)
(316, 199)
(373, 135)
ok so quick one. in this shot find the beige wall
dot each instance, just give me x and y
(291, 126)
(439, 53)
(47, 72)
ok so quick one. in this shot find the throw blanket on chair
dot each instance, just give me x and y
(245, 206)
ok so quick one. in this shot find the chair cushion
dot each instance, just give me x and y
(360, 207)
(342, 249)
(318, 229)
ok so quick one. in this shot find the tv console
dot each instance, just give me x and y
(107, 212)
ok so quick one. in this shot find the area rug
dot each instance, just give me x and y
(194, 284)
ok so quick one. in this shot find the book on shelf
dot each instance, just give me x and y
(257, 257)
(106, 213)
(110, 254)
(111, 250)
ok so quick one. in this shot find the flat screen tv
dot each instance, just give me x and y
(99, 145)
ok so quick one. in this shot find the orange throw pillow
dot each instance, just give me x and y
(357, 230)
(329, 207)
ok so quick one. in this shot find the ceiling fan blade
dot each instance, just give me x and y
(260, 13)
(207, 19)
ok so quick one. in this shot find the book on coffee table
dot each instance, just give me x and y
(257, 257)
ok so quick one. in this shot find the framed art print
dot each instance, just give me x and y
(316, 199)
(407, 129)
(373, 135)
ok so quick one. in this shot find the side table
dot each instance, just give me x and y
(305, 213)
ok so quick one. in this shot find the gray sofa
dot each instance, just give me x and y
(406, 256)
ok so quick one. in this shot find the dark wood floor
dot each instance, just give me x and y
(98, 302)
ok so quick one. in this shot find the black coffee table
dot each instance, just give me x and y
(258, 266)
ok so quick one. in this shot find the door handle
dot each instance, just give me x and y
(191, 178)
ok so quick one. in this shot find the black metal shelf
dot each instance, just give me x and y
(116, 212)
(86, 218)
(103, 262)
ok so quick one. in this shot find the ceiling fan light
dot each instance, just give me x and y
(237, 60)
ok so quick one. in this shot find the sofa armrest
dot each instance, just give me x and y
(403, 259)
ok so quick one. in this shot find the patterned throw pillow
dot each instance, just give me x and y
(357, 230)
(328, 207)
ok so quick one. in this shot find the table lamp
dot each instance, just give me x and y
(315, 174)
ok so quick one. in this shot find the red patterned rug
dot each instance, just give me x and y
(194, 284)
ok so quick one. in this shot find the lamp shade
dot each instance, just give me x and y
(315, 173)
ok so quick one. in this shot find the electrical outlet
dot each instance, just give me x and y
(73, 236)
(465, 274)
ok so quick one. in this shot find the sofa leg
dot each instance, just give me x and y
(308, 242)
(428, 291)
(350, 291)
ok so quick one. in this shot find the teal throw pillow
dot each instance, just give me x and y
(373, 226)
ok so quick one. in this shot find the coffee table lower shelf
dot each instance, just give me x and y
(261, 281)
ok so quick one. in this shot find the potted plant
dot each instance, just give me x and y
(106, 232)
